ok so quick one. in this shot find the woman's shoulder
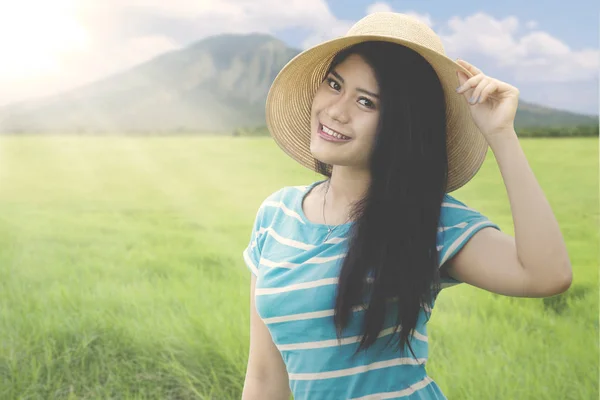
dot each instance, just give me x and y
(452, 203)
(456, 211)
(285, 198)
(288, 195)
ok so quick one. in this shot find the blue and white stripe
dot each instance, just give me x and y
(297, 274)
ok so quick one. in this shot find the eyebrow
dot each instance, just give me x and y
(357, 89)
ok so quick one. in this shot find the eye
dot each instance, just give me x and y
(368, 103)
(329, 81)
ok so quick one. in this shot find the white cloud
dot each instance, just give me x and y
(333, 29)
(531, 24)
(199, 18)
(183, 9)
(378, 7)
(381, 6)
(425, 18)
(534, 56)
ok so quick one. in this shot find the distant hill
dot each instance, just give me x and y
(215, 85)
(533, 115)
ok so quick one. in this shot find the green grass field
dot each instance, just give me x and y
(122, 277)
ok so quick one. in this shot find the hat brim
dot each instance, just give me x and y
(289, 102)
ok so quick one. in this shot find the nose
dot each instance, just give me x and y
(337, 110)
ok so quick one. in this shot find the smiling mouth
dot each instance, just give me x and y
(330, 134)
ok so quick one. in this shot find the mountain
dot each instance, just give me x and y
(214, 85)
(533, 115)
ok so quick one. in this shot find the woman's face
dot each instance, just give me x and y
(347, 103)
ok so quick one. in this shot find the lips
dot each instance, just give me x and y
(331, 135)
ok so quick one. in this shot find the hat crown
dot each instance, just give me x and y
(399, 26)
(288, 105)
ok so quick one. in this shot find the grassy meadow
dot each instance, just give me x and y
(121, 275)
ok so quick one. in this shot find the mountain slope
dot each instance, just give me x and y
(213, 85)
(533, 115)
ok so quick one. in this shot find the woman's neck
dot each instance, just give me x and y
(347, 186)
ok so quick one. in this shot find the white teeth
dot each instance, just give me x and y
(334, 134)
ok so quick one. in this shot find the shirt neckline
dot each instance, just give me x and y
(300, 211)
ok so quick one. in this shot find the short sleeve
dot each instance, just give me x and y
(251, 253)
(458, 224)
(265, 216)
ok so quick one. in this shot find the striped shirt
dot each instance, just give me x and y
(295, 295)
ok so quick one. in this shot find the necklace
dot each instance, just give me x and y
(329, 228)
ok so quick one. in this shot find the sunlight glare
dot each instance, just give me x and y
(35, 33)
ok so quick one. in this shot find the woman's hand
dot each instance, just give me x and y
(493, 103)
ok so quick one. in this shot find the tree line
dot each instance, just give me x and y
(544, 131)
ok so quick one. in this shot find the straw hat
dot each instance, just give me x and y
(290, 97)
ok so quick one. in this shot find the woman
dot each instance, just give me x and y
(377, 112)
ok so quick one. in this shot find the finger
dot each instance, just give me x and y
(487, 91)
(470, 83)
(504, 87)
(462, 78)
(471, 68)
(466, 88)
(478, 89)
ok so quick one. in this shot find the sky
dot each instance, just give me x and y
(547, 49)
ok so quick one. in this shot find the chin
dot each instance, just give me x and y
(327, 153)
(321, 154)
(327, 157)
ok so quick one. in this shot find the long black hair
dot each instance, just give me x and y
(393, 237)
